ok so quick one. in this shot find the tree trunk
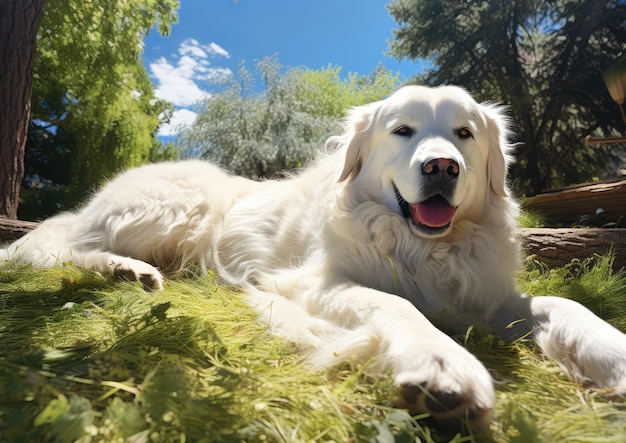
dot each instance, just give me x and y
(19, 22)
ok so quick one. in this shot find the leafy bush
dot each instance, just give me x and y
(260, 134)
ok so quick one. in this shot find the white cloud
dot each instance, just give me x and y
(191, 46)
(218, 50)
(180, 118)
(176, 84)
(184, 79)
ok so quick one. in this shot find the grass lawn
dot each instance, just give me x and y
(86, 359)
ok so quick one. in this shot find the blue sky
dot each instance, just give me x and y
(214, 36)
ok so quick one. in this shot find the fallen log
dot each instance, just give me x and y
(587, 204)
(13, 229)
(557, 247)
(554, 247)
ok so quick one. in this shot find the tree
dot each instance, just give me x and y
(543, 58)
(259, 134)
(19, 21)
(93, 106)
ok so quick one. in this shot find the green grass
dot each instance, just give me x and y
(86, 359)
(530, 219)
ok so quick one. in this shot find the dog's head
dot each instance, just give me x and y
(433, 155)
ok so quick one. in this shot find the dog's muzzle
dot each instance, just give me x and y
(433, 215)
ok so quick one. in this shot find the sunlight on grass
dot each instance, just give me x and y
(86, 359)
(529, 219)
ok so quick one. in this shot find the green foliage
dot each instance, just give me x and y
(328, 95)
(94, 109)
(89, 360)
(259, 134)
(544, 59)
(590, 282)
(530, 219)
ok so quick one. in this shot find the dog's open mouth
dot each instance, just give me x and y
(433, 214)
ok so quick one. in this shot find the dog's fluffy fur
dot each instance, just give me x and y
(404, 226)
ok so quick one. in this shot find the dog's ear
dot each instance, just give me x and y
(356, 139)
(499, 159)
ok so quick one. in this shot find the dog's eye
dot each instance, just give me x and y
(404, 131)
(464, 133)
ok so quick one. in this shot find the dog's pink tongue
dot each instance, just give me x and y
(433, 213)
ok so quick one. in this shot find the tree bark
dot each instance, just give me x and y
(13, 229)
(19, 22)
(588, 204)
(557, 247)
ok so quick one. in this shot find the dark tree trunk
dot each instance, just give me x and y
(533, 172)
(19, 22)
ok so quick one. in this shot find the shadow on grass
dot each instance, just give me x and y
(76, 347)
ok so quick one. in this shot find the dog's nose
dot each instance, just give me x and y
(445, 168)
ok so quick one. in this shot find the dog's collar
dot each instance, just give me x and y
(404, 205)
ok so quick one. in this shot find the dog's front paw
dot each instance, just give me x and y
(588, 349)
(599, 364)
(137, 270)
(450, 385)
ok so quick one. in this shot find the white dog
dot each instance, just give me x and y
(405, 226)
